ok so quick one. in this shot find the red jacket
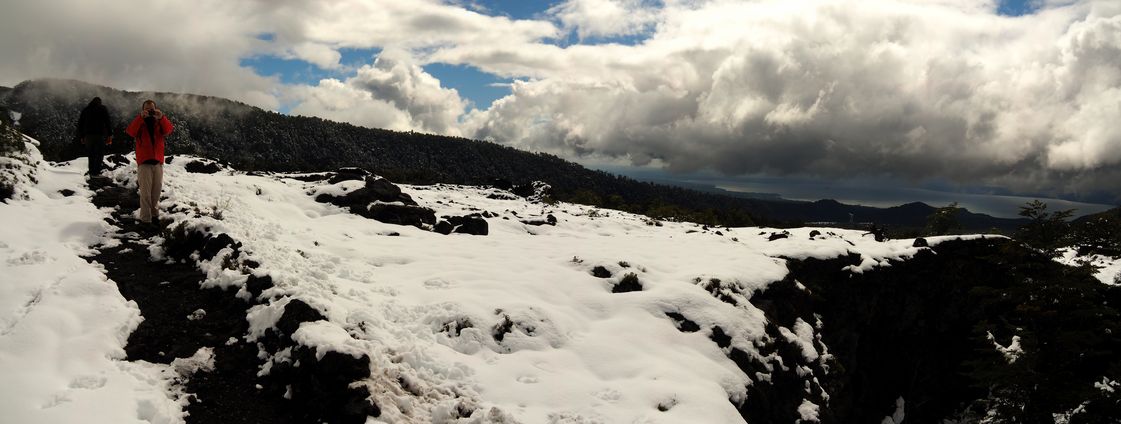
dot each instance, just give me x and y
(145, 148)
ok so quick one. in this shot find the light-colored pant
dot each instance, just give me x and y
(150, 180)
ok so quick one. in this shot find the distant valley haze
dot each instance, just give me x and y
(989, 103)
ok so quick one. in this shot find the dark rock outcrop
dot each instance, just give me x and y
(348, 174)
(382, 201)
(473, 224)
(600, 272)
(549, 220)
(683, 324)
(919, 330)
(398, 214)
(629, 283)
(778, 236)
(202, 167)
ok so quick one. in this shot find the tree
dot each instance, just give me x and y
(1046, 231)
(943, 221)
(1099, 234)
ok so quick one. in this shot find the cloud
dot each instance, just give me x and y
(605, 18)
(341, 101)
(320, 55)
(393, 92)
(198, 46)
(939, 90)
(170, 46)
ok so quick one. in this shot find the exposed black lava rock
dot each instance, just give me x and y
(683, 324)
(215, 244)
(778, 236)
(385, 191)
(719, 337)
(600, 272)
(66, 192)
(473, 224)
(322, 386)
(399, 214)
(256, 285)
(319, 388)
(297, 312)
(549, 220)
(504, 327)
(115, 196)
(313, 177)
(348, 174)
(919, 330)
(814, 233)
(920, 242)
(7, 191)
(201, 167)
(383, 201)
(181, 242)
(456, 326)
(443, 227)
(375, 190)
(629, 283)
(118, 160)
(501, 196)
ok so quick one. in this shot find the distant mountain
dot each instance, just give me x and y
(254, 139)
(1112, 214)
(709, 188)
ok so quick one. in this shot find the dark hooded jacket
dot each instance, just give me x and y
(94, 121)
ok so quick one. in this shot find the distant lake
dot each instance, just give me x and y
(877, 193)
(1003, 206)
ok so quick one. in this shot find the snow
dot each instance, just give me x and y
(1065, 417)
(325, 337)
(63, 325)
(574, 351)
(803, 336)
(1012, 352)
(1107, 385)
(423, 306)
(897, 416)
(807, 412)
(1108, 268)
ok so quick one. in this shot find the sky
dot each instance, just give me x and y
(1022, 95)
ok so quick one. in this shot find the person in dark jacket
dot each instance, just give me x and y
(149, 129)
(95, 131)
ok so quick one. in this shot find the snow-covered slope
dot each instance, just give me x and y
(531, 323)
(63, 325)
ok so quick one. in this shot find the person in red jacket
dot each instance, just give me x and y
(149, 130)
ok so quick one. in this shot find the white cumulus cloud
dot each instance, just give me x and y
(393, 92)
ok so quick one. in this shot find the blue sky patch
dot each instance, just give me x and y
(471, 83)
(1017, 7)
(290, 71)
(516, 9)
